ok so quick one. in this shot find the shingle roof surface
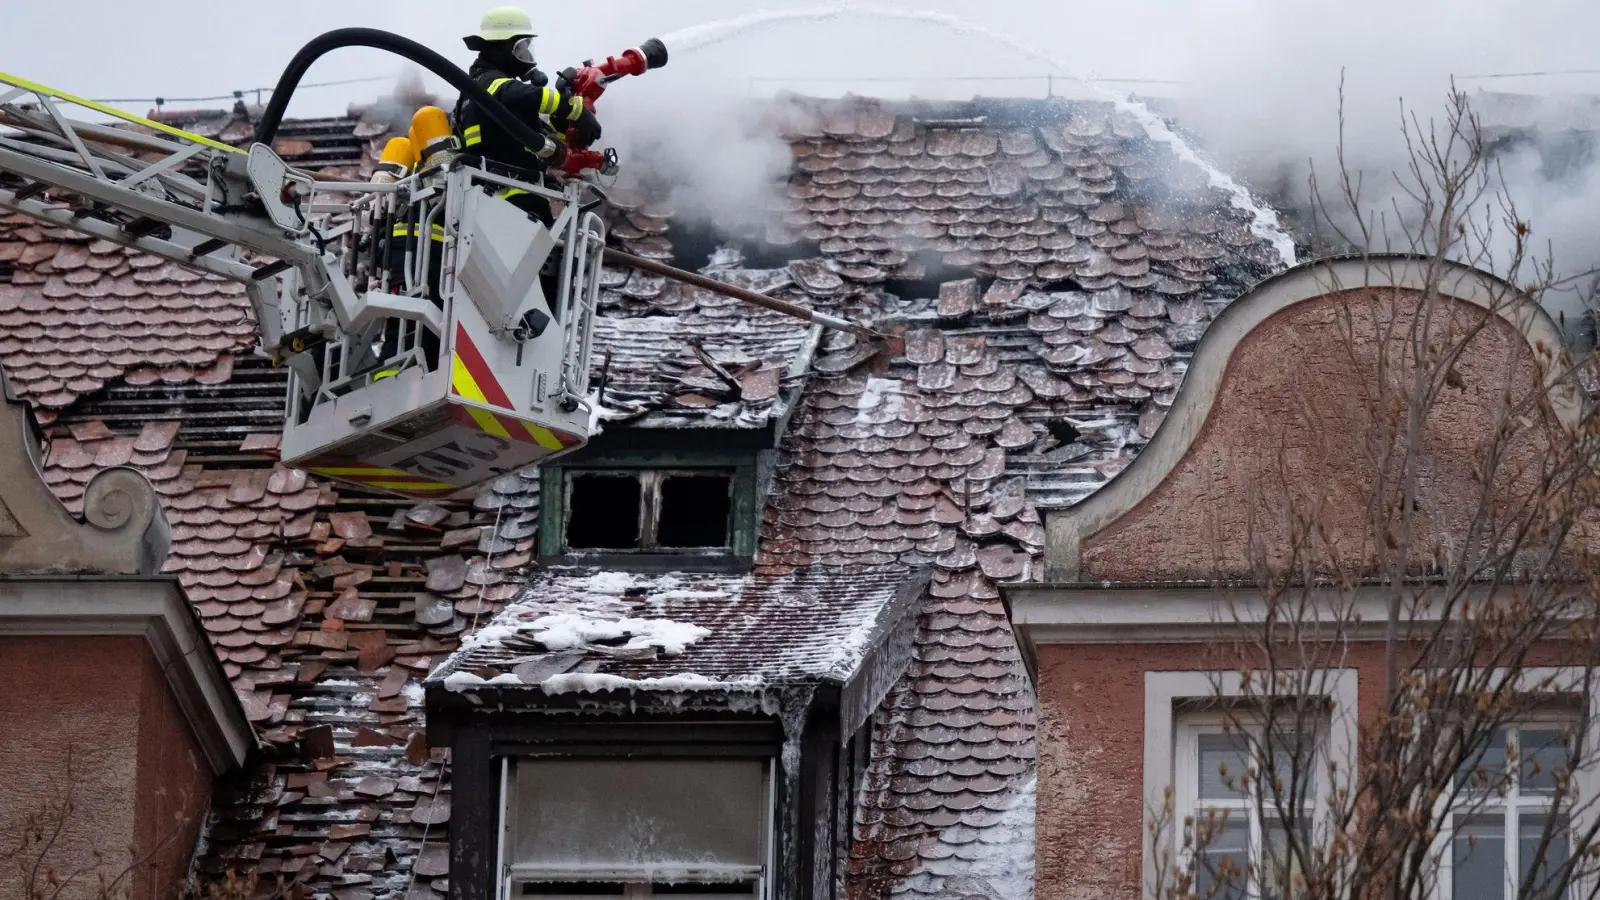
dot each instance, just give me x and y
(803, 626)
(76, 313)
(646, 339)
(1022, 388)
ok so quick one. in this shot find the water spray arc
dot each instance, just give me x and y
(1264, 222)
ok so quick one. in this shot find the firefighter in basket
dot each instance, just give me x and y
(506, 67)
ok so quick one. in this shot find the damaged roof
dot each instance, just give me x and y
(1051, 268)
(672, 356)
(77, 313)
(588, 630)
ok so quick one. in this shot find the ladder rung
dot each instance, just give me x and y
(206, 248)
(31, 190)
(270, 269)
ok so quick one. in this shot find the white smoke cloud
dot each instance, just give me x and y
(1257, 80)
(1264, 96)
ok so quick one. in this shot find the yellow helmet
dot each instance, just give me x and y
(505, 23)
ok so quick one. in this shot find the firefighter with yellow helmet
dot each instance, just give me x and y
(507, 68)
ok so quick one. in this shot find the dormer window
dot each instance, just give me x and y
(690, 829)
(649, 511)
(686, 510)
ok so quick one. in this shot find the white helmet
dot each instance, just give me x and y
(505, 23)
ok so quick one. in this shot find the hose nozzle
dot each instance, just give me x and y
(655, 53)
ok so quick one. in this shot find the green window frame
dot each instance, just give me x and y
(652, 470)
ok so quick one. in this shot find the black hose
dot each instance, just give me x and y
(400, 46)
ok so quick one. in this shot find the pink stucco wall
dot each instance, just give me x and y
(91, 727)
(1292, 429)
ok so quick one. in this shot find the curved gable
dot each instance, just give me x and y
(1272, 411)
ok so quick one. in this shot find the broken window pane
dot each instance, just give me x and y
(603, 512)
(694, 511)
(612, 814)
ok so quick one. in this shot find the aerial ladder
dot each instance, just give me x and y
(436, 336)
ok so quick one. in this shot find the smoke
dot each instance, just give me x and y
(1257, 81)
(718, 157)
(1264, 97)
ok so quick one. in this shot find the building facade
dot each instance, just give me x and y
(1237, 571)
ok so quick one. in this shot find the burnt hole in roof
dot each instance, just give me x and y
(1062, 430)
(759, 254)
(696, 241)
(693, 242)
(935, 274)
(7, 269)
(603, 512)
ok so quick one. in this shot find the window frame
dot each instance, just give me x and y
(650, 484)
(1547, 689)
(634, 882)
(743, 510)
(1170, 697)
(1189, 727)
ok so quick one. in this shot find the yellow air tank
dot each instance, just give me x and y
(431, 137)
(397, 160)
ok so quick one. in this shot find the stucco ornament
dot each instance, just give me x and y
(124, 531)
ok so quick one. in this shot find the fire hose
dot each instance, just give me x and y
(589, 82)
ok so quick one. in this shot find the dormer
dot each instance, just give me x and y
(694, 405)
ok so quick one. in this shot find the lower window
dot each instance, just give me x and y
(1242, 830)
(1504, 842)
(636, 828)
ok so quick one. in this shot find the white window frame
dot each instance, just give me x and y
(1165, 696)
(635, 883)
(1553, 684)
(1190, 806)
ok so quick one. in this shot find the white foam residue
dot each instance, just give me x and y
(568, 631)
(462, 681)
(881, 401)
(488, 635)
(614, 583)
(688, 681)
(668, 596)
(998, 864)
(845, 657)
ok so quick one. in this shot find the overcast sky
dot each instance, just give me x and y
(184, 48)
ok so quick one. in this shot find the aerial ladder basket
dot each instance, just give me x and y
(437, 336)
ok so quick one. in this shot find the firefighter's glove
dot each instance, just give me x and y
(586, 128)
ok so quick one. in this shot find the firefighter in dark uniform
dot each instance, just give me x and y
(506, 68)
